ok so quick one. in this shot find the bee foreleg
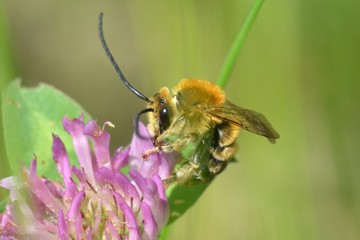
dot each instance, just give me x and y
(174, 130)
(150, 151)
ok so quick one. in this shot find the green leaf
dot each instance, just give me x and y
(182, 197)
(164, 233)
(30, 117)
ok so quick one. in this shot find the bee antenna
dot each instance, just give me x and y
(116, 66)
(137, 120)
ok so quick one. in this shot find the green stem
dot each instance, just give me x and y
(238, 43)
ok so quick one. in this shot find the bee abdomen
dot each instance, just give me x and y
(227, 133)
(224, 153)
(223, 147)
(219, 157)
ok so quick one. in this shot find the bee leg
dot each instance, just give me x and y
(216, 166)
(182, 174)
(172, 131)
(170, 180)
(150, 151)
(166, 148)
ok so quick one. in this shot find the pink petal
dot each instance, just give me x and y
(111, 231)
(75, 207)
(40, 190)
(79, 228)
(70, 192)
(139, 146)
(149, 223)
(152, 191)
(103, 177)
(162, 212)
(118, 198)
(75, 128)
(80, 175)
(101, 140)
(134, 233)
(10, 182)
(88, 233)
(61, 159)
(148, 189)
(120, 159)
(6, 223)
(55, 190)
(131, 195)
(62, 227)
(167, 164)
(160, 187)
(156, 164)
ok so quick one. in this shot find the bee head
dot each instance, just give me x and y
(161, 117)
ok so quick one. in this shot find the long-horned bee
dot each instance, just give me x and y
(196, 118)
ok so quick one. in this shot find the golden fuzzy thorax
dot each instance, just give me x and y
(193, 98)
(200, 92)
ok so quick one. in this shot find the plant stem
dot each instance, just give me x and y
(235, 49)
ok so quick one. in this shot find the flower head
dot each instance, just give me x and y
(94, 200)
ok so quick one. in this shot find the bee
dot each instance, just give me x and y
(196, 118)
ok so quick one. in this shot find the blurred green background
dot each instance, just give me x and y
(300, 67)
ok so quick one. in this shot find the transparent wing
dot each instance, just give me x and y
(247, 119)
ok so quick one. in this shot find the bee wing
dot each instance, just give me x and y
(244, 118)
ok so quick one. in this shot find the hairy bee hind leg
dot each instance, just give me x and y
(188, 174)
(216, 166)
(183, 174)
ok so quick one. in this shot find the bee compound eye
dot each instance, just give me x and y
(164, 120)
